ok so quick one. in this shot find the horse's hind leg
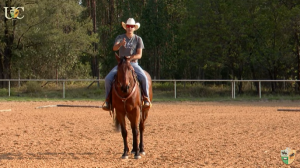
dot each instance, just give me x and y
(141, 146)
(142, 128)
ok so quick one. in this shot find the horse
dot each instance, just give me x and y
(127, 101)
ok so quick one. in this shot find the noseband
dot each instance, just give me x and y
(133, 90)
(124, 99)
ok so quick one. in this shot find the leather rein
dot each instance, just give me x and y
(132, 91)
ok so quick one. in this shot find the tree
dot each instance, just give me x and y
(48, 41)
(7, 37)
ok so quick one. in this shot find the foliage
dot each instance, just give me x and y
(184, 39)
(31, 87)
(163, 91)
(48, 42)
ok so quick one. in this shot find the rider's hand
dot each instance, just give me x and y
(128, 58)
(123, 42)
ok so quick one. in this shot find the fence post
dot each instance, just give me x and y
(259, 88)
(64, 92)
(19, 82)
(8, 88)
(233, 89)
(175, 89)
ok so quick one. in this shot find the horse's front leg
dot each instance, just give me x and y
(135, 146)
(121, 120)
(124, 135)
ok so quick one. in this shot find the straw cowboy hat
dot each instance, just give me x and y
(131, 21)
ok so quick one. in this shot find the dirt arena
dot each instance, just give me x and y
(178, 134)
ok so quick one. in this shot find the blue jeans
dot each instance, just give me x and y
(140, 74)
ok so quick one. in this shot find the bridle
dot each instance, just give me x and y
(124, 99)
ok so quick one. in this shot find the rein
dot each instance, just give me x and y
(122, 98)
(133, 90)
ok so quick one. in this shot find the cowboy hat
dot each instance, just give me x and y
(131, 21)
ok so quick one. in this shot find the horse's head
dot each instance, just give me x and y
(124, 75)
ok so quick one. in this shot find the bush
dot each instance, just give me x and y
(32, 87)
(3, 92)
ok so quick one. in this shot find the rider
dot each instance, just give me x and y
(131, 45)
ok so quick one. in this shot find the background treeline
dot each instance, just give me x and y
(184, 39)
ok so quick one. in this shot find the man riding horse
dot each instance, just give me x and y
(131, 46)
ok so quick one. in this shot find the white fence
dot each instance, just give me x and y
(233, 82)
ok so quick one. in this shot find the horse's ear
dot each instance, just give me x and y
(117, 57)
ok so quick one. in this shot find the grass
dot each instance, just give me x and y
(163, 91)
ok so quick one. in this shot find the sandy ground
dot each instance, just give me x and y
(183, 134)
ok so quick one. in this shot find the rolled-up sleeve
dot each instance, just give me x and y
(140, 43)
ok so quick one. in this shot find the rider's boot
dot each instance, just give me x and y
(147, 103)
(106, 105)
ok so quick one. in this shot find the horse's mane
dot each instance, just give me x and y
(122, 60)
(124, 67)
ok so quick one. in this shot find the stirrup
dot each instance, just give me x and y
(106, 106)
(147, 103)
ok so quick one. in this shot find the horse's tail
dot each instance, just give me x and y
(117, 126)
(116, 122)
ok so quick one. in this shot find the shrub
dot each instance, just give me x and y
(32, 87)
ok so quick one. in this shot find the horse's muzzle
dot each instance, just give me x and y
(125, 88)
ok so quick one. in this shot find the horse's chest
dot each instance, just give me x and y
(125, 105)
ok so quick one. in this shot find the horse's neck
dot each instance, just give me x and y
(134, 77)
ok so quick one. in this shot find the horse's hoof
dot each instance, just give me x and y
(137, 157)
(124, 157)
(143, 153)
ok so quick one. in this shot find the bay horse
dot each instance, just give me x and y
(127, 101)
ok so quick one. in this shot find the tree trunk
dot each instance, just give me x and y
(97, 74)
(256, 84)
(6, 56)
(91, 4)
(298, 57)
(272, 78)
(240, 84)
(111, 14)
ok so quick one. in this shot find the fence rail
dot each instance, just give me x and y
(233, 82)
